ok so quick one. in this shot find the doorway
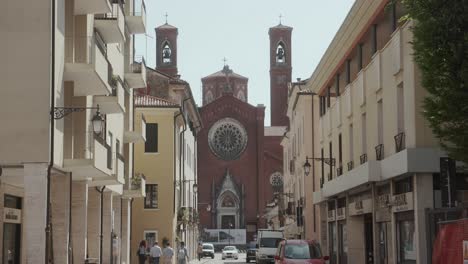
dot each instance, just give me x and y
(383, 231)
(368, 239)
(343, 242)
(12, 230)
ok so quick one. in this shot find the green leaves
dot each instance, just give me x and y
(441, 51)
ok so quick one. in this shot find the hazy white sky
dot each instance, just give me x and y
(210, 30)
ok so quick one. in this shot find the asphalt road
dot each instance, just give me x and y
(218, 260)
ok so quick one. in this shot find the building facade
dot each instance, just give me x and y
(377, 170)
(168, 159)
(66, 154)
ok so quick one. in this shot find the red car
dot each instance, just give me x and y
(299, 251)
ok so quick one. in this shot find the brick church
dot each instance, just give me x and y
(240, 161)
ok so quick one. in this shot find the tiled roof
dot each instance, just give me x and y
(152, 101)
(282, 26)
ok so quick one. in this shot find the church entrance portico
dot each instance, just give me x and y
(229, 213)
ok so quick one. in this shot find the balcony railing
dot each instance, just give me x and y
(329, 176)
(339, 171)
(350, 165)
(400, 142)
(322, 182)
(379, 152)
(363, 158)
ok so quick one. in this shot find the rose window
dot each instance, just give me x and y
(227, 139)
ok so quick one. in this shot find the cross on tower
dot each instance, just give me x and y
(224, 60)
(280, 16)
(166, 17)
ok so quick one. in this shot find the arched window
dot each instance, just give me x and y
(208, 97)
(228, 201)
(166, 53)
(241, 96)
(280, 53)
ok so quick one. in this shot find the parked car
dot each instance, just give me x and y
(251, 252)
(299, 251)
(230, 252)
(267, 243)
(208, 250)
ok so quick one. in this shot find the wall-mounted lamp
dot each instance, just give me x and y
(98, 120)
(329, 161)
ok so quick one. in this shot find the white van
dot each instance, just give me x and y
(267, 243)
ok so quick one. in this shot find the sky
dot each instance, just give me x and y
(211, 30)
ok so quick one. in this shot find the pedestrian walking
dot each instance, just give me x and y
(182, 256)
(142, 252)
(155, 253)
(200, 251)
(167, 254)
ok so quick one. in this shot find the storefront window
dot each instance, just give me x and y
(406, 242)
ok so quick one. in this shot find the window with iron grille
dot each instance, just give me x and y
(151, 199)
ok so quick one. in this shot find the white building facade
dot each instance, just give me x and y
(68, 185)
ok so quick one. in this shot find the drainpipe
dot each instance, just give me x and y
(48, 229)
(70, 245)
(175, 158)
(101, 191)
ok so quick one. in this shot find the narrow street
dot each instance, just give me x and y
(218, 260)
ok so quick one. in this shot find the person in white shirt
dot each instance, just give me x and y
(155, 253)
(167, 254)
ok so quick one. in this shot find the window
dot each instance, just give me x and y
(302, 251)
(151, 199)
(351, 143)
(151, 144)
(330, 153)
(400, 109)
(270, 242)
(328, 96)
(374, 38)
(166, 53)
(380, 129)
(323, 164)
(348, 71)
(360, 56)
(280, 53)
(337, 87)
(151, 237)
(364, 133)
(340, 149)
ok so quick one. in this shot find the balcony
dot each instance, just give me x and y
(136, 20)
(136, 188)
(89, 68)
(366, 173)
(116, 164)
(400, 142)
(114, 102)
(135, 76)
(83, 7)
(111, 25)
(138, 135)
(94, 165)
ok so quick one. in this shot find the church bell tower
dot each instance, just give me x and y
(280, 73)
(166, 49)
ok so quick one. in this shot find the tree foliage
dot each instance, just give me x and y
(441, 51)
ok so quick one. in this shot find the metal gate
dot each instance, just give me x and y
(435, 218)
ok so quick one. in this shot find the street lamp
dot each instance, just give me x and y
(230, 226)
(195, 188)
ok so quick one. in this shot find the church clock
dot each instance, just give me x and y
(227, 139)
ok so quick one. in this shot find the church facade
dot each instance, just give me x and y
(240, 160)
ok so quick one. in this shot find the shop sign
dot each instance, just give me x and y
(383, 201)
(331, 215)
(402, 202)
(341, 213)
(11, 215)
(360, 207)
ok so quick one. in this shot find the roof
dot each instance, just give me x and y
(226, 71)
(152, 101)
(281, 26)
(166, 26)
